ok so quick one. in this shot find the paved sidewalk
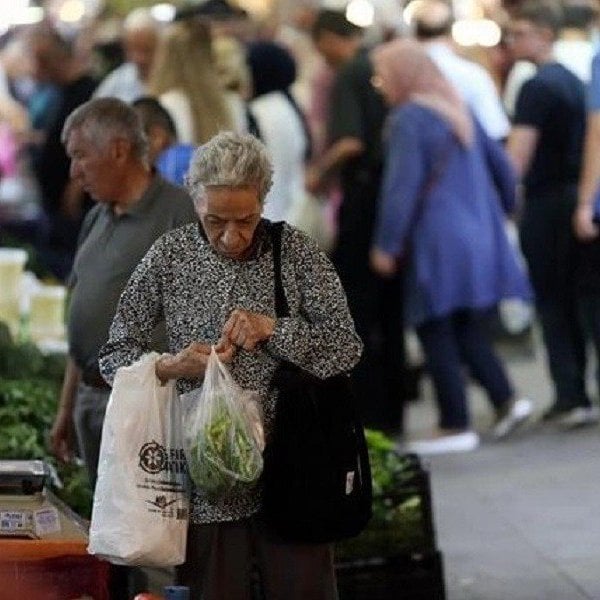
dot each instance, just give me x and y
(520, 519)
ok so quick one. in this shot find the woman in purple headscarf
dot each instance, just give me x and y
(446, 188)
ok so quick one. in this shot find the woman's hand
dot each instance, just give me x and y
(191, 362)
(583, 223)
(247, 329)
(383, 264)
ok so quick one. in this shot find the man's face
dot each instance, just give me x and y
(93, 167)
(328, 46)
(526, 40)
(230, 217)
(140, 47)
(46, 62)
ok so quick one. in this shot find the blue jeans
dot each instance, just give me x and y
(451, 342)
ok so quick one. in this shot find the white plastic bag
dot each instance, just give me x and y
(140, 510)
(223, 433)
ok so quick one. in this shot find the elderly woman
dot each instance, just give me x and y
(445, 189)
(212, 282)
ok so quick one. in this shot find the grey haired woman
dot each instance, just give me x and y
(212, 283)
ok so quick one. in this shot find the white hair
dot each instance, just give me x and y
(140, 19)
(233, 160)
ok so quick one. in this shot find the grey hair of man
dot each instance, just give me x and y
(140, 19)
(102, 120)
(230, 160)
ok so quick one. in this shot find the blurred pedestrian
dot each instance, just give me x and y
(354, 154)
(587, 217)
(129, 81)
(185, 81)
(234, 76)
(432, 22)
(63, 200)
(280, 124)
(446, 187)
(169, 157)
(546, 145)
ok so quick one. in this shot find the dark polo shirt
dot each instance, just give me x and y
(109, 249)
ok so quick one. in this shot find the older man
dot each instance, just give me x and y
(140, 38)
(134, 207)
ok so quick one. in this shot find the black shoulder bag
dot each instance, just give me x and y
(317, 478)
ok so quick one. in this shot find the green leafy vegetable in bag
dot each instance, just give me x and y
(223, 452)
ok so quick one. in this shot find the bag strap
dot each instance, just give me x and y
(282, 308)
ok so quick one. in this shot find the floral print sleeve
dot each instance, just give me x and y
(185, 283)
(138, 313)
(319, 335)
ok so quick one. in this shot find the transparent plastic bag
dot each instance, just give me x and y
(223, 433)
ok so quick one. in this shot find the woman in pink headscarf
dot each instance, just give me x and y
(445, 190)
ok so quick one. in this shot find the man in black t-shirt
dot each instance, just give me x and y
(354, 152)
(63, 201)
(546, 147)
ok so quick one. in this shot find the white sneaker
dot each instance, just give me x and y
(456, 442)
(520, 410)
(579, 417)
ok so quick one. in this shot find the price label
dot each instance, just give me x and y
(46, 521)
(15, 520)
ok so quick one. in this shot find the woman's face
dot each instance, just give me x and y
(230, 216)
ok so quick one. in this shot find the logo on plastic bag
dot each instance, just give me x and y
(161, 502)
(155, 458)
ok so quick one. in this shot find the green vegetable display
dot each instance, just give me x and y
(29, 389)
(223, 454)
(399, 520)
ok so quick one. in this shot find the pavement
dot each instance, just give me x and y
(518, 519)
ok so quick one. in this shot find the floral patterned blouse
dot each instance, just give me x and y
(185, 282)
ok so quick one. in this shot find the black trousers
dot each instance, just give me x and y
(457, 340)
(376, 305)
(553, 256)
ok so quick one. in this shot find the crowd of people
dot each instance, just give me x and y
(419, 157)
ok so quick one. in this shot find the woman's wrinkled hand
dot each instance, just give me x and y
(246, 329)
(383, 264)
(191, 362)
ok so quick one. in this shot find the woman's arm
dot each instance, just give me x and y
(403, 180)
(138, 313)
(320, 339)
